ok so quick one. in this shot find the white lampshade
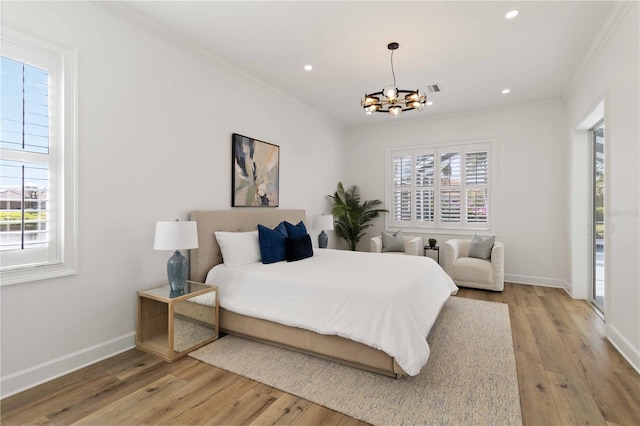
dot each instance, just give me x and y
(176, 235)
(323, 221)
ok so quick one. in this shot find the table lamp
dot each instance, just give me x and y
(176, 235)
(323, 222)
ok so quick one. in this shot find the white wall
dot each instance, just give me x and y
(154, 142)
(532, 190)
(613, 77)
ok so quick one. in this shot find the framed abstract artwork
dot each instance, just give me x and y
(255, 173)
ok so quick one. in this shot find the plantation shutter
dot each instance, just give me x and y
(477, 179)
(439, 187)
(450, 187)
(425, 187)
(401, 194)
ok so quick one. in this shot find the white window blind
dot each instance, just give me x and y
(440, 187)
(477, 175)
(424, 188)
(450, 185)
(401, 197)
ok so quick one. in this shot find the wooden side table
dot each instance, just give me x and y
(172, 324)
(436, 249)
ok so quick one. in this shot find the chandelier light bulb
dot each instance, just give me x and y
(390, 92)
(395, 111)
(369, 100)
(371, 109)
(413, 97)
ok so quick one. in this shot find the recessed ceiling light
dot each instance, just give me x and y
(511, 14)
(430, 103)
(308, 67)
(505, 91)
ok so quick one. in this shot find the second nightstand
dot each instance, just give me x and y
(436, 249)
(172, 324)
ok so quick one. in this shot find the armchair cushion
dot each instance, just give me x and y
(481, 247)
(392, 242)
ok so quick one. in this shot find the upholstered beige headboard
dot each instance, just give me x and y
(207, 255)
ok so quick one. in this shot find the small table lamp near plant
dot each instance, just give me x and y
(176, 236)
(323, 222)
(351, 215)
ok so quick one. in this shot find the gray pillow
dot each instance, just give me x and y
(392, 242)
(481, 247)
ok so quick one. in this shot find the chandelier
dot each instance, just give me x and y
(391, 99)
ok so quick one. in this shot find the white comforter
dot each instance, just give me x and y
(386, 301)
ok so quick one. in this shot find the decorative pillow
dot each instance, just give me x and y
(238, 248)
(481, 247)
(392, 242)
(299, 248)
(272, 245)
(295, 231)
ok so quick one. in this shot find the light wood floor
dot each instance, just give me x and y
(568, 373)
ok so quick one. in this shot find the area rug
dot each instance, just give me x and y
(470, 378)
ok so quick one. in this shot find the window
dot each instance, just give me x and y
(440, 187)
(37, 160)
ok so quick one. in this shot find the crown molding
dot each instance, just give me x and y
(142, 21)
(606, 31)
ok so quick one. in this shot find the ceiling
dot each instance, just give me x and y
(468, 48)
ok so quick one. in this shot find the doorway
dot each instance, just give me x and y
(598, 235)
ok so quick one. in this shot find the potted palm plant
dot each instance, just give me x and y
(351, 215)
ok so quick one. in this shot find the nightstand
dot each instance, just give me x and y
(172, 324)
(436, 249)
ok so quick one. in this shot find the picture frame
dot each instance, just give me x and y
(255, 174)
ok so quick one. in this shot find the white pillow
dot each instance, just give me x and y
(239, 248)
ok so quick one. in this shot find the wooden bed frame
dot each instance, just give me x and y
(331, 347)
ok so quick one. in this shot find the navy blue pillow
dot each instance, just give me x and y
(272, 243)
(295, 231)
(299, 248)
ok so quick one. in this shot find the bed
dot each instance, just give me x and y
(325, 343)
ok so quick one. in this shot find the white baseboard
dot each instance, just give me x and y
(626, 349)
(540, 281)
(33, 376)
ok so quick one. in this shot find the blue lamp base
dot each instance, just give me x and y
(323, 239)
(177, 270)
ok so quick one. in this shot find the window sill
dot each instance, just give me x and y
(441, 231)
(36, 273)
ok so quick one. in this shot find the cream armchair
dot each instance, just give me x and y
(471, 272)
(412, 245)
